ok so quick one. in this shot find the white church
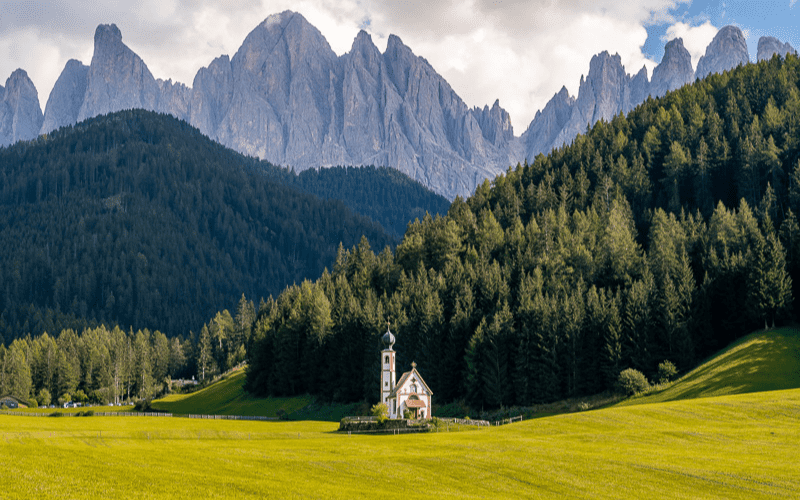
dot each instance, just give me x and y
(409, 393)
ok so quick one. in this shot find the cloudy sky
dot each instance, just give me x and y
(518, 51)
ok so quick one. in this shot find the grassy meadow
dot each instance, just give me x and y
(228, 397)
(761, 361)
(742, 446)
(696, 445)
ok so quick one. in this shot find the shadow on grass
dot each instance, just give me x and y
(763, 361)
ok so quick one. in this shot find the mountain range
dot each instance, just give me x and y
(286, 97)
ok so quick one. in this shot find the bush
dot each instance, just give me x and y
(631, 382)
(281, 414)
(666, 371)
(143, 405)
(44, 397)
(379, 410)
(408, 414)
(56, 414)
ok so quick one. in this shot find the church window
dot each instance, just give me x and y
(385, 360)
(386, 384)
(413, 388)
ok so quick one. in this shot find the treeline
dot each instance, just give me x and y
(383, 194)
(662, 235)
(99, 365)
(137, 219)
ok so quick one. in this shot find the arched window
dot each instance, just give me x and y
(386, 360)
(413, 387)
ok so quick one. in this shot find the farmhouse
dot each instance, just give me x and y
(409, 393)
(12, 403)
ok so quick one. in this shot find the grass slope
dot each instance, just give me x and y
(228, 397)
(742, 446)
(761, 361)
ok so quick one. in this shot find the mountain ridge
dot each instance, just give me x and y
(285, 96)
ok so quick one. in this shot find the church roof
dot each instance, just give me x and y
(405, 377)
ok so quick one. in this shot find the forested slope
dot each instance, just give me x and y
(665, 234)
(137, 219)
(385, 195)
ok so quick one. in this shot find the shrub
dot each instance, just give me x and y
(408, 414)
(631, 382)
(666, 371)
(143, 405)
(3, 407)
(44, 397)
(56, 414)
(281, 414)
(379, 410)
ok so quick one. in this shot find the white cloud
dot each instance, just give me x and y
(695, 38)
(520, 51)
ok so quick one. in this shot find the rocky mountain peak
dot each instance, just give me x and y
(67, 96)
(674, 71)
(769, 46)
(495, 124)
(107, 34)
(20, 112)
(727, 50)
(118, 78)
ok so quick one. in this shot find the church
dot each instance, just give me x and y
(409, 393)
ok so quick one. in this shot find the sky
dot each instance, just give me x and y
(518, 51)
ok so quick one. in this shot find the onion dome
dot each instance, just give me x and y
(388, 338)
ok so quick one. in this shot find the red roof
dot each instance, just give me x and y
(415, 403)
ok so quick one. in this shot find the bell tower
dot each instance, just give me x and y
(387, 364)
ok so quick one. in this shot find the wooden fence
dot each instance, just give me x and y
(136, 414)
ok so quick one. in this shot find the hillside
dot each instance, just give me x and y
(227, 396)
(762, 361)
(383, 194)
(138, 219)
(665, 234)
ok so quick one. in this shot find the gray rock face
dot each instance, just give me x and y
(174, 98)
(20, 112)
(212, 93)
(637, 91)
(285, 96)
(495, 124)
(600, 96)
(118, 79)
(67, 97)
(727, 50)
(547, 125)
(674, 71)
(769, 46)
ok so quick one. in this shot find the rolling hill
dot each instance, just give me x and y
(761, 361)
(138, 219)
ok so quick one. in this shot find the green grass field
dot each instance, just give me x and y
(228, 397)
(737, 446)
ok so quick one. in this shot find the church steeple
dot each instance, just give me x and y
(388, 375)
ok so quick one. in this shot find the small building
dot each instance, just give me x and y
(12, 403)
(410, 392)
